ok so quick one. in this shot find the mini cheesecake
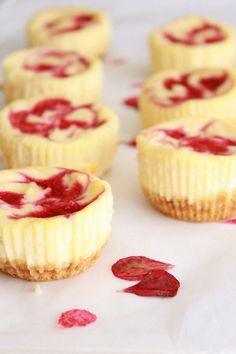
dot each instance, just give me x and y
(49, 72)
(192, 42)
(171, 94)
(58, 132)
(71, 28)
(54, 222)
(188, 168)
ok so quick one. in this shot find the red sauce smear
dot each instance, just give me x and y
(215, 144)
(60, 109)
(132, 102)
(208, 84)
(78, 23)
(12, 198)
(178, 133)
(58, 198)
(211, 33)
(60, 70)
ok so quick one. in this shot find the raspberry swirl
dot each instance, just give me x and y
(55, 63)
(204, 33)
(61, 192)
(56, 119)
(202, 138)
(201, 84)
(70, 23)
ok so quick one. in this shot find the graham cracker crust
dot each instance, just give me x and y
(222, 207)
(49, 272)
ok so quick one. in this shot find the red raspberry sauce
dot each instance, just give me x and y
(78, 23)
(208, 84)
(60, 108)
(60, 70)
(12, 198)
(213, 34)
(58, 197)
(216, 145)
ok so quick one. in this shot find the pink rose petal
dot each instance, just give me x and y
(230, 221)
(76, 318)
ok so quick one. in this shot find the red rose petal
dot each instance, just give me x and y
(155, 283)
(132, 102)
(135, 267)
(132, 143)
(76, 318)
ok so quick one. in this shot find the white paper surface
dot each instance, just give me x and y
(201, 318)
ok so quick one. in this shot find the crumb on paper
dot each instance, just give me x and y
(37, 289)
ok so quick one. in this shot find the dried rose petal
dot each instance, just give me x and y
(135, 267)
(132, 102)
(230, 221)
(76, 318)
(155, 283)
(132, 143)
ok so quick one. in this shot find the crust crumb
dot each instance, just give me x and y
(37, 289)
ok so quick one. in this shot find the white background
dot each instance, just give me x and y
(202, 317)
